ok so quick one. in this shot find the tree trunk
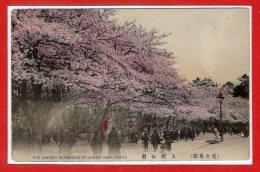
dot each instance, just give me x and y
(37, 118)
(22, 131)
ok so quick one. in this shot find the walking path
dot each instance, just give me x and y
(201, 149)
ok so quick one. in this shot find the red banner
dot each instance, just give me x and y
(105, 124)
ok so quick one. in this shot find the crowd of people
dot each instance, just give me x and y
(164, 139)
(156, 137)
(167, 137)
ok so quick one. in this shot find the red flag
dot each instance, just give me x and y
(105, 124)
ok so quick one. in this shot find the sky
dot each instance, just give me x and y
(211, 43)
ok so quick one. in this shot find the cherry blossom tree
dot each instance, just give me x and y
(203, 104)
(84, 57)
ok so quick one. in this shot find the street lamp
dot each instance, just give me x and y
(220, 98)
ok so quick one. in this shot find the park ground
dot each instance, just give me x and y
(204, 148)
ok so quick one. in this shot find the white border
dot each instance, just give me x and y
(238, 162)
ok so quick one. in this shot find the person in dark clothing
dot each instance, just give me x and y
(182, 134)
(189, 133)
(175, 135)
(145, 141)
(134, 137)
(67, 140)
(168, 144)
(198, 131)
(221, 133)
(186, 133)
(193, 133)
(114, 142)
(166, 133)
(155, 139)
(204, 130)
(96, 144)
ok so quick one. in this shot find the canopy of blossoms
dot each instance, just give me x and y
(91, 60)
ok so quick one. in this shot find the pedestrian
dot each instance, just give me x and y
(189, 133)
(182, 134)
(96, 144)
(198, 131)
(114, 142)
(193, 133)
(204, 130)
(221, 133)
(155, 139)
(168, 143)
(176, 135)
(67, 140)
(215, 131)
(136, 136)
(186, 134)
(145, 139)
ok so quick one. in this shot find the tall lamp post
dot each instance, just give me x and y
(220, 98)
